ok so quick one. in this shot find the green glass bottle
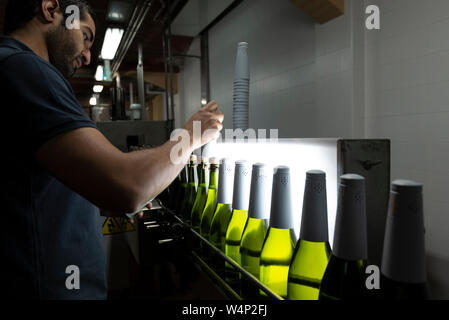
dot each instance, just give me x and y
(403, 269)
(190, 195)
(256, 226)
(344, 278)
(279, 244)
(201, 196)
(234, 232)
(223, 211)
(182, 190)
(211, 201)
(312, 251)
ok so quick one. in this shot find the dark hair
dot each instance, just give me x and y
(19, 13)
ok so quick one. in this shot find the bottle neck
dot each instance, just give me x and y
(225, 183)
(404, 257)
(281, 201)
(184, 175)
(314, 226)
(260, 193)
(240, 195)
(350, 238)
(213, 177)
(192, 174)
(203, 174)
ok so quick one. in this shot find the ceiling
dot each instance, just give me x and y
(150, 35)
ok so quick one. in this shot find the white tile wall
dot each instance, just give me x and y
(189, 95)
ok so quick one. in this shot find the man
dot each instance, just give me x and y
(57, 168)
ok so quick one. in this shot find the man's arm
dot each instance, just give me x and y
(85, 161)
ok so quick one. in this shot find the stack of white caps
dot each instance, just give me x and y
(241, 88)
(281, 199)
(404, 249)
(259, 198)
(242, 180)
(350, 242)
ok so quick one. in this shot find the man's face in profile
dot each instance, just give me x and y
(69, 48)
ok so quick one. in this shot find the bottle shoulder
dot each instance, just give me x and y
(310, 258)
(344, 280)
(279, 243)
(255, 231)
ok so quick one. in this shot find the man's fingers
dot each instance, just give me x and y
(218, 116)
(213, 124)
(138, 215)
(211, 106)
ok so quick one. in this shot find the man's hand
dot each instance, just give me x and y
(211, 124)
(140, 214)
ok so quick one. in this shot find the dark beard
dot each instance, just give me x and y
(61, 50)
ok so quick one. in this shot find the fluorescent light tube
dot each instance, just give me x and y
(300, 155)
(93, 101)
(99, 73)
(98, 89)
(112, 40)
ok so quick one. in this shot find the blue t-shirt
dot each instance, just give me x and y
(45, 227)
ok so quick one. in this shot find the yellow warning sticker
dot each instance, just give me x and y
(118, 225)
(111, 226)
(125, 225)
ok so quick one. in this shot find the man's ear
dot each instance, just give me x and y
(49, 8)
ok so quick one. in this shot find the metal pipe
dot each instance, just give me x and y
(118, 80)
(138, 16)
(245, 273)
(131, 31)
(170, 67)
(167, 98)
(131, 93)
(186, 56)
(160, 10)
(205, 267)
(141, 83)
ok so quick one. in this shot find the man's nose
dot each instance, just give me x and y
(86, 57)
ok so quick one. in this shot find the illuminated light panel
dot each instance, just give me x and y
(300, 155)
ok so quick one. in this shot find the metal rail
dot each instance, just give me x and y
(138, 16)
(242, 271)
(215, 277)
